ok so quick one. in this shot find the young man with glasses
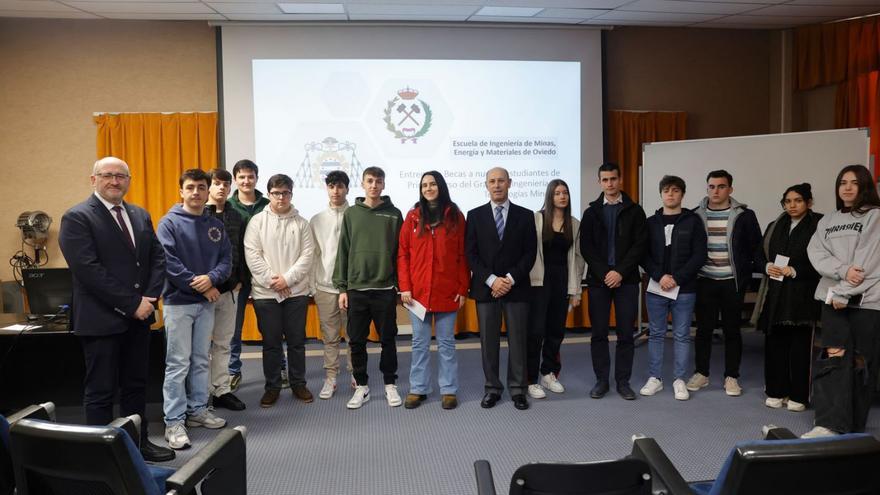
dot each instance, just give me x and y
(279, 250)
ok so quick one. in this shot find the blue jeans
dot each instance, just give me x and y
(188, 329)
(420, 372)
(235, 344)
(682, 310)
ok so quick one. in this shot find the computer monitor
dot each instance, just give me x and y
(48, 290)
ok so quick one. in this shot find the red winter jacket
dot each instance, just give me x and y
(433, 266)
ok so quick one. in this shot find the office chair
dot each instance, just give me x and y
(781, 464)
(45, 411)
(51, 458)
(621, 477)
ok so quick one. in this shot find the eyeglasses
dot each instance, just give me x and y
(109, 176)
(280, 194)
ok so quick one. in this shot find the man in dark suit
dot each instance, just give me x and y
(501, 245)
(613, 240)
(118, 272)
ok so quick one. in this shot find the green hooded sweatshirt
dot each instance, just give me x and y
(367, 255)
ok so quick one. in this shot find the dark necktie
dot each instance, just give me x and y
(499, 221)
(118, 210)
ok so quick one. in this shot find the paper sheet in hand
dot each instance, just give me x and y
(654, 288)
(18, 327)
(782, 262)
(417, 309)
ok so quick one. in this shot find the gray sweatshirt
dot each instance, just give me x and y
(843, 240)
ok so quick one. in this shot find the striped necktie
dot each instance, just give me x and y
(499, 221)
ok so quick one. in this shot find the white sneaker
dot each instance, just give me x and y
(731, 387)
(360, 397)
(697, 381)
(774, 403)
(392, 396)
(536, 391)
(681, 391)
(328, 388)
(176, 436)
(818, 432)
(205, 418)
(551, 383)
(795, 406)
(652, 386)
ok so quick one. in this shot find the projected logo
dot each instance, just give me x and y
(407, 117)
(324, 157)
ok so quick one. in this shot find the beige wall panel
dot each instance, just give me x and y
(55, 73)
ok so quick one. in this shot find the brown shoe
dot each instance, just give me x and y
(270, 397)
(449, 401)
(302, 393)
(414, 400)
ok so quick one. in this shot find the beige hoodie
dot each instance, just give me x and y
(279, 245)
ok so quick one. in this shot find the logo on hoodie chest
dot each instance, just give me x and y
(215, 234)
(847, 229)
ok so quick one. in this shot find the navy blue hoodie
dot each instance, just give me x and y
(194, 245)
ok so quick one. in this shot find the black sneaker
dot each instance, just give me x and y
(229, 401)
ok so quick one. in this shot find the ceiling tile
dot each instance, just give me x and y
(769, 20)
(73, 14)
(34, 6)
(409, 17)
(508, 11)
(287, 17)
(572, 13)
(415, 10)
(311, 8)
(689, 7)
(533, 20)
(559, 4)
(597, 22)
(162, 17)
(836, 11)
(622, 15)
(869, 3)
(718, 25)
(245, 8)
(102, 8)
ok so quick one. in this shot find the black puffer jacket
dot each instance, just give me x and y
(631, 242)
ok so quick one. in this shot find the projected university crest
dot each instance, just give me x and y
(323, 157)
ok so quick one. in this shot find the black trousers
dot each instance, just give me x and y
(119, 361)
(843, 386)
(714, 296)
(279, 321)
(626, 306)
(787, 351)
(379, 307)
(516, 317)
(547, 315)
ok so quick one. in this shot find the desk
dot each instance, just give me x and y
(47, 364)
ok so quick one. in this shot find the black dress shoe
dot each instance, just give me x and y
(599, 390)
(625, 391)
(228, 401)
(489, 400)
(155, 453)
(520, 402)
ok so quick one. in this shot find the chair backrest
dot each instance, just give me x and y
(7, 474)
(620, 477)
(845, 464)
(73, 460)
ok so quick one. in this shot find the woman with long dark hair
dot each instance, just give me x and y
(433, 271)
(845, 250)
(786, 311)
(556, 284)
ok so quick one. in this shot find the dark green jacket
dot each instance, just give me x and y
(247, 211)
(367, 256)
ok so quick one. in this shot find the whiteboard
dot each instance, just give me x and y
(762, 167)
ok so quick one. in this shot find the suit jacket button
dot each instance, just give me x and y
(137, 263)
(137, 286)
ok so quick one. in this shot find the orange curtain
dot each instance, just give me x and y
(628, 131)
(833, 53)
(158, 147)
(857, 106)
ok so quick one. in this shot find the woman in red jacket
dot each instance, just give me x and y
(432, 272)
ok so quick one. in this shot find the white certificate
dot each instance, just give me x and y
(417, 309)
(782, 262)
(654, 288)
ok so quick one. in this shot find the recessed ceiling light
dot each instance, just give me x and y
(312, 8)
(509, 11)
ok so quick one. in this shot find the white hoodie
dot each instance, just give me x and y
(279, 245)
(326, 228)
